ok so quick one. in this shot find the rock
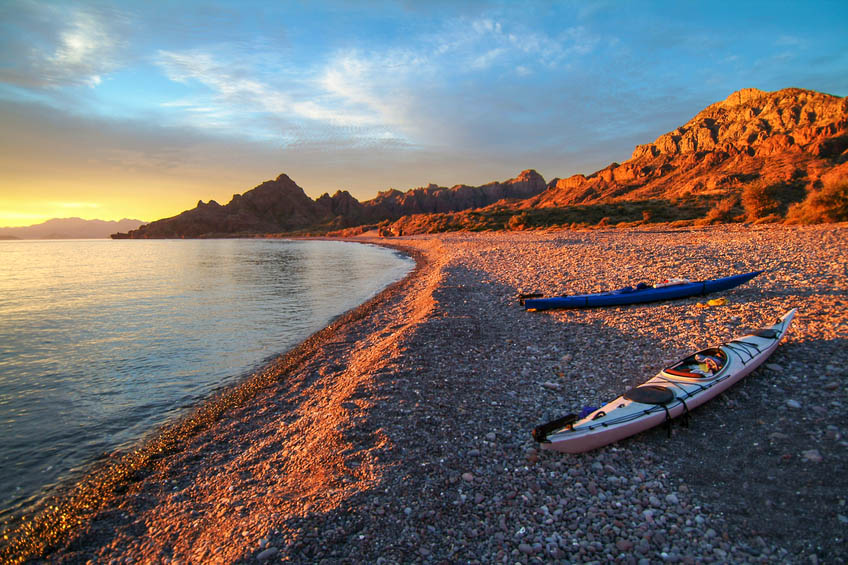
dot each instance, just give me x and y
(491, 436)
(267, 554)
(672, 499)
(774, 367)
(467, 477)
(525, 548)
(624, 545)
(812, 455)
(793, 404)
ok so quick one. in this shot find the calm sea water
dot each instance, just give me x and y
(101, 341)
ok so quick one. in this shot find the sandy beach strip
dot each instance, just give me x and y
(401, 433)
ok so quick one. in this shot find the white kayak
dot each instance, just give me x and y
(673, 392)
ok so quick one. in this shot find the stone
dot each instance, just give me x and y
(624, 545)
(267, 554)
(812, 455)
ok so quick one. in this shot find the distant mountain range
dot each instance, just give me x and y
(281, 206)
(786, 144)
(70, 228)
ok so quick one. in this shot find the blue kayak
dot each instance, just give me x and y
(638, 294)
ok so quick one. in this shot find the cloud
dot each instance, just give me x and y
(333, 100)
(53, 46)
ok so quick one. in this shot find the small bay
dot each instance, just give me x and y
(101, 341)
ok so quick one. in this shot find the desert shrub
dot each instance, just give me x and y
(518, 221)
(724, 210)
(829, 204)
(758, 200)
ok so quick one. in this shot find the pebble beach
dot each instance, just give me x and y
(401, 433)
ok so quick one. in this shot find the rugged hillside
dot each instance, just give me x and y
(393, 204)
(781, 147)
(756, 156)
(278, 205)
(788, 136)
(281, 206)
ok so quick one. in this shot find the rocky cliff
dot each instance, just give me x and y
(281, 206)
(788, 136)
(792, 139)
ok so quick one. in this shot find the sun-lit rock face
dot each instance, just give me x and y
(793, 137)
(788, 135)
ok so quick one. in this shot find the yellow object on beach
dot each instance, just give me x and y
(713, 302)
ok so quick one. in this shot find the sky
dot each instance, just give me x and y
(115, 110)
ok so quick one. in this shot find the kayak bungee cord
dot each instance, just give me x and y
(701, 387)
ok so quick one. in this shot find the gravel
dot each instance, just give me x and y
(404, 436)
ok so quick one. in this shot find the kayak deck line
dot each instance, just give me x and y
(671, 393)
(639, 294)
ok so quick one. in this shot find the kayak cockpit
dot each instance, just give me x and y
(701, 365)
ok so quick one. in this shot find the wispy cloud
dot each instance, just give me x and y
(402, 93)
(73, 46)
(339, 96)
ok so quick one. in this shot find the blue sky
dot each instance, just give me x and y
(139, 109)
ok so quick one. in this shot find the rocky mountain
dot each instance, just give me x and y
(787, 144)
(70, 228)
(281, 206)
(790, 136)
(432, 199)
(273, 206)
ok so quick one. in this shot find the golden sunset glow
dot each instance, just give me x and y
(107, 114)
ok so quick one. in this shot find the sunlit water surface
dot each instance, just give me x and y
(101, 341)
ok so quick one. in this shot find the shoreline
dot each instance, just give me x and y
(77, 501)
(401, 431)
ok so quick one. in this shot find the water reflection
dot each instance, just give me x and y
(102, 340)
